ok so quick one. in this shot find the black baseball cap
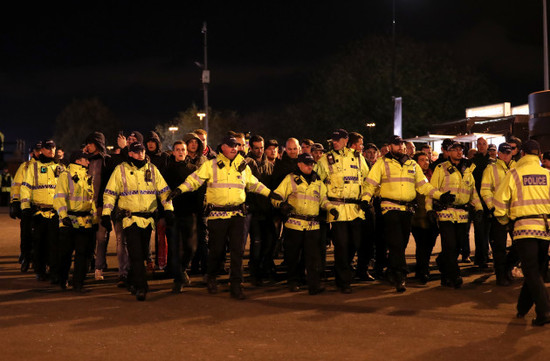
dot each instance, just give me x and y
(493, 146)
(136, 147)
(395, 139)
(79, 155)
(446, 143)
(306, 158)
(37, 146)
(505, 148)
(272, 143)
(317, 146)
(455, 145)
(339, 134)
(230, 141)
(48, 144)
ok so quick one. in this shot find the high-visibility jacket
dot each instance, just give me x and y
(75, 193)
(447, 177)
(6, 183)
(38, 188)
(492, 177)
(226, 185)
(136, 190)
(524, 192)
(398, 183)
(305, 198)
(15, 192)
(344, 172)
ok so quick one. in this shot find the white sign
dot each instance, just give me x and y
(490, 111)
(397, 117)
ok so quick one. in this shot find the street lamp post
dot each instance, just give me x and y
(205, 76)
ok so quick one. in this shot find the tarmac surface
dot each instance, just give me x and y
(39, 321)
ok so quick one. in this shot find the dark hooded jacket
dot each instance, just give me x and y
(200, 159)
(283, 166)
(175, 174)
(157, 157)
(100, 168)
(263, 170)
(123, 155)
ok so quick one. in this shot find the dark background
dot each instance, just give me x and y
(138, 58)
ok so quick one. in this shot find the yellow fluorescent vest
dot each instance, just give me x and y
(226, 184)
(344, 173)
(136, 191)
(397, 182)
(305, 198)
(492, 177)
(525, 191)
(75, 192)
(15, 192)
(38, 187)
(447, 177)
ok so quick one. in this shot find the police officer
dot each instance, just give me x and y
(303, 194)
(454, 175)
(37, 192)
(136, 184)
(522, 199)
(228, 177)
(344, 172)
(492, 177)
(6, 187)
(74, 203)
(15, 209)
(398, 178)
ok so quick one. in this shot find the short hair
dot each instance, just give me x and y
(371, 146)
(354, 137)
(292, 140)
(424, 146)
(237, 135)
(256, 138)
(515, 140)
(177, 142)
(200, 132)
(307, 141)
(546, 155)
(418, 155)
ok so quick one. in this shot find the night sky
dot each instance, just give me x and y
(139, 59)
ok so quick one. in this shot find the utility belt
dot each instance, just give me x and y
(304, 218)
(79, 214)
(344, 200)
(229, 208)
(464, 207)
(537, 216)
(124, 213)
(42, 207)
(410, 205)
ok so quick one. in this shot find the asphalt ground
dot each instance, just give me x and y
(38, 321)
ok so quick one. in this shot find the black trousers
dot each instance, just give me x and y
(498, 238)
(365, 249)
(530, 251)
(452, 235)
(138, 240)
(303, 244)
(262, 245)
(44, 244)
(199, 262)
(482, 230)
(344, 235)
(182, 243)
(425, 241)
(397, 226)
(26, 237)
(221, 231)
(380, 242)
(78, 240)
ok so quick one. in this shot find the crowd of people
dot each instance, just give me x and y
(204, 205)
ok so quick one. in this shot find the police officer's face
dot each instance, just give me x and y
(151, 146)
(179, 152)
(358, 146)
(305, 168)
(137, 155)
(340, 143)
(257, 149)
(48, 152)
(83, 162)
(456, 154)
(397, 148)
(229, 152)
(506, 157)
(515, 149)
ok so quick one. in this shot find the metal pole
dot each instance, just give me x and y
(205, 77)
(545, 45)
(393, 66)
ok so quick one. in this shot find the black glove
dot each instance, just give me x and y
(286, 208)
(27, 212)
(106, 223)
(334, 212)
(66, 222)
(173, 194)
(275, 196)
(491, 213)
(365, 206)
(447, 198)
(432, 217)
(170, 218)
(15, 209)
(478, 216)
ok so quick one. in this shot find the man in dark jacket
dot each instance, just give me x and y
(203, 136)
(288, 162)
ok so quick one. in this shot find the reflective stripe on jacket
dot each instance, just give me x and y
(15, 192)
(305, 198)
(397, 182)
(492, 177)
(38, 187)
(344, 173)
(447, 177)
(136, 190)
(75, 193)
(525, 191)
(226, 184)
